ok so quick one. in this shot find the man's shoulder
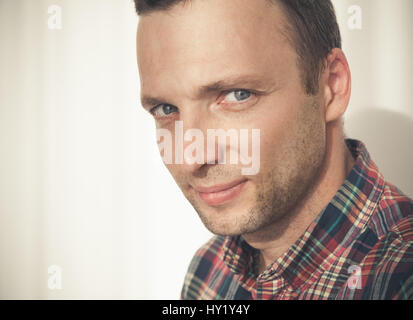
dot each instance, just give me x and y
(386, 271)
(206, 264)
(208, 253)
(396, 210)
(394, 214)
(388, 268)
(393, 195)
(394, 227)
(212, 247)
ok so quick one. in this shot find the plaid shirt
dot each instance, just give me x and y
(359, 247)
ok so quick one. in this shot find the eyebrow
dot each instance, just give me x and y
(230, 83)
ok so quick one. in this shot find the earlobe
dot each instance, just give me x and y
(338, 85)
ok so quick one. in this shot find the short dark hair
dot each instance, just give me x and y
(315, 32)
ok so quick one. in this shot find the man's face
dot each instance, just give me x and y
(242, 45)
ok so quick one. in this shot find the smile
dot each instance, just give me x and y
(221, 194)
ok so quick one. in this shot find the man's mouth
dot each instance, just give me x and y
(222, 193)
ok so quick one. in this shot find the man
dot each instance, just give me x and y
(318, 221)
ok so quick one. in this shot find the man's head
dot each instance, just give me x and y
(243, 64)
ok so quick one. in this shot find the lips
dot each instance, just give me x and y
(222, 193)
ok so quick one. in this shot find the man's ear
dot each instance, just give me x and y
(337, 85)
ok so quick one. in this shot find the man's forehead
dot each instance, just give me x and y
(207, 51)
(211, 19)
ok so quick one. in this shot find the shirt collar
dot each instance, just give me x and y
(328, 236)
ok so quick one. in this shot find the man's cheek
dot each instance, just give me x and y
(251, 163)
(174, 170)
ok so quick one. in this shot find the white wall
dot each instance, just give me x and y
(381, 110)
(81, 183)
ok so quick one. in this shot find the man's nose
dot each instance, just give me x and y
(191, 145)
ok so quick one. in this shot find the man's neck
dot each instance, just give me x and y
(338, 164)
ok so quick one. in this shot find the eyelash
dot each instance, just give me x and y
(224, 94)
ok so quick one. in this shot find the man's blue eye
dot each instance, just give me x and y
(168, 109)
(237, 96)
(163, 110)
(242, 94)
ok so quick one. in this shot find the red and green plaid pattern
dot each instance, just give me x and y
(359, 247)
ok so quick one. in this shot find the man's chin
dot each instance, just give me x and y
(232, 218)
(228, 222)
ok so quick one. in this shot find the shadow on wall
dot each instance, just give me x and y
(388, 137)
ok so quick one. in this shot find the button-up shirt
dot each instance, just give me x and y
(360, 246)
